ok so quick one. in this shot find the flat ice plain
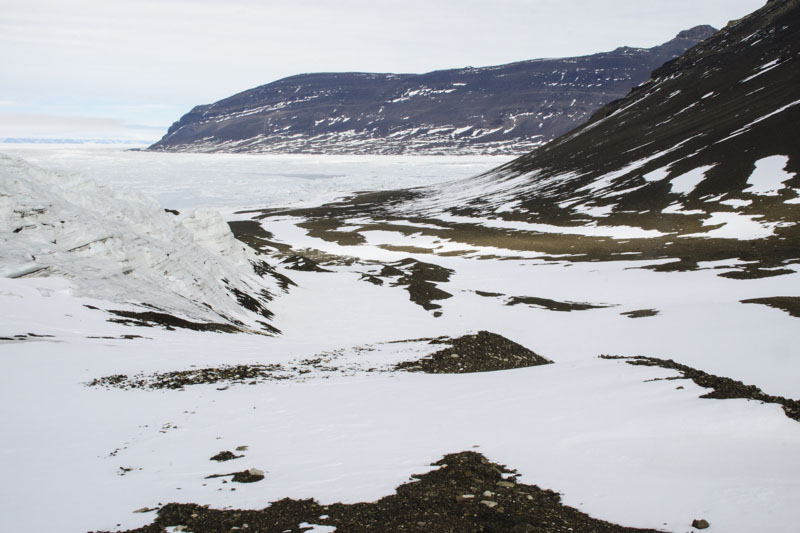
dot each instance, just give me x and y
(615, 441)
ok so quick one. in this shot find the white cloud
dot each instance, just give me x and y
(41, 126)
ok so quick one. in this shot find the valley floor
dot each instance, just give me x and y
(332, 409)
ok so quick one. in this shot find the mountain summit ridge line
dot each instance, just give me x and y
(504, 109)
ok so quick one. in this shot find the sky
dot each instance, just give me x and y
(129, 68)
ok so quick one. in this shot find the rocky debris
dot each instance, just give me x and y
(722, 388)
(264, 269)
(179, 379)
(303, 264)
(436, 502)
(250, 475)
(640, 313)
(756, 273)
(419, 279)
(700, 524)
(169, 322)
(225, 456)
(481, 352)
(789, 304)
(375, 280)
(553, 305)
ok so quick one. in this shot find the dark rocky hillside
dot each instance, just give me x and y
(490, 110)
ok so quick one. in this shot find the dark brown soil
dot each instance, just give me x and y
(467, 493)
(482, 352)
(553, 305)
(722, 388)
(790, 304)
(253, 234)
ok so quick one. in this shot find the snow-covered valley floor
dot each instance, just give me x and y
(618, 441)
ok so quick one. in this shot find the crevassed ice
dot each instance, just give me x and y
(122, 247)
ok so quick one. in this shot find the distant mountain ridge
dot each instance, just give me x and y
(506, 109)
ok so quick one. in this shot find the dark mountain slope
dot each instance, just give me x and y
(728, 104)
(503, 109)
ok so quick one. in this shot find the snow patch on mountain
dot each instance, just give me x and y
(769, 176)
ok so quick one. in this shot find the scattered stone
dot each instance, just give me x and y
(700, 524)
(225, 456)
(241, 448)
(248, 476)
(145, 510)
(181, 378)
(481, 352)
(436, 499)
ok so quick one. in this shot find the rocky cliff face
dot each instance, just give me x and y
(507, 109)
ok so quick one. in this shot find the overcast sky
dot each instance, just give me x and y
(129, 68)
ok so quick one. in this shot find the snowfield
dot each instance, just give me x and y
(620, 442)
